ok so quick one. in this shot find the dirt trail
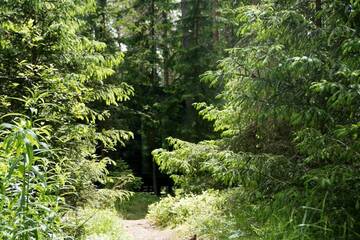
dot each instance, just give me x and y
(142, 230)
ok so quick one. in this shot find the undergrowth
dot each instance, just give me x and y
(136, 206)
(93, 224)
(228, 214)
(205, 215)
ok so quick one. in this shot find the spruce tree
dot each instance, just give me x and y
(54, 75)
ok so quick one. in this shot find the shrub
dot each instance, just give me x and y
(95, 224)
(30, 205)
(205, 215)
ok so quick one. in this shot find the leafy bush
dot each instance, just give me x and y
(93, 224)
(204, 215)
(30, 204)
(106, 198)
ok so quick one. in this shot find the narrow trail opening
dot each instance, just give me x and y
(143, 230)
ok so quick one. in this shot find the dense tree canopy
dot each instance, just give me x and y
(51, 77)
(289, 119)
(253, 103)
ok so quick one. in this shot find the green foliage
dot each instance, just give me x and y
(106, 198)
(58, 78)
(208, 164)
(172, 211)
(29, 183)
(187, 164)
(122, 178)
(288, 114)
(136, 206)
(98, 224)
(168, 47)
(204, 215)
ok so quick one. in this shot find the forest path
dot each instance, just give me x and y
(143, 230)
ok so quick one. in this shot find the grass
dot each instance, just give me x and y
(97, 224)
(209, 215)
(136, 207)
(105, 223)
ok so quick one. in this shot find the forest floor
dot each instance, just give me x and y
(142, 230)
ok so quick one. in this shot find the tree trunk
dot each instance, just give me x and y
(196, 24)
(166, 51)
(317, 9)
(184, 16)
(101, 5)
(153, 45)
(151, 133)
(215, 15)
